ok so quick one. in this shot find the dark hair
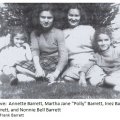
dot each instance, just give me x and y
(102, 30)
(75, 6)
(46, 7)
(83, 15)
(36, 14)
(18, 30)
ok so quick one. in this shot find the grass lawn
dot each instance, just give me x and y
(41, 90)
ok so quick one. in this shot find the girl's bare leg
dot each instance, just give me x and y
(25, 71)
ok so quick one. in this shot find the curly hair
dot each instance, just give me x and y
(102, 30)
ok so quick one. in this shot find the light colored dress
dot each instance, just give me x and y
(78, 41)
(11, 56)
(107, 65)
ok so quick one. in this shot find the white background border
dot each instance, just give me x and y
(72, 113)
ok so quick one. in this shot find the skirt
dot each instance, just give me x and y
(48, 64)
(29, 65)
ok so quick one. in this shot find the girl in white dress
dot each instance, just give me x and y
(17, 57)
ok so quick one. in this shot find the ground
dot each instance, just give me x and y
(41, 90)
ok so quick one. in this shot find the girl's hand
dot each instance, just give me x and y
(40, 73)
(28, 53)
(25, 45)
(51, 78)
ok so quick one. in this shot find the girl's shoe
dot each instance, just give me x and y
(13, 80)
(117, 88)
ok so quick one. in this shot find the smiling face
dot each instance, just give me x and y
(74, 17)
(19, 40)
(46, 19)
(103, 42)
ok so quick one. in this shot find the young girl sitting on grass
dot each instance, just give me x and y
(107, 58)
(17, 57)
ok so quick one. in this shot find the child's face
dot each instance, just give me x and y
(19, 39)
(46, 19)
(103, 42)
(73, 17)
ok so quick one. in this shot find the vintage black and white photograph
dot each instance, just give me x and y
(59, 50)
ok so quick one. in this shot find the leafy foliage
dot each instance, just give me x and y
(97, 14)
